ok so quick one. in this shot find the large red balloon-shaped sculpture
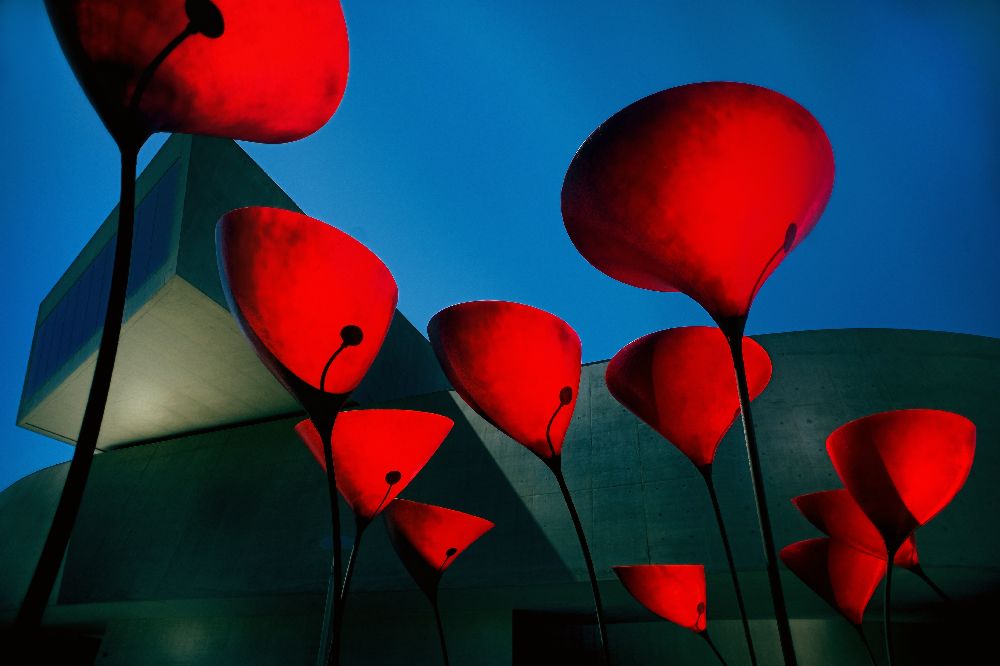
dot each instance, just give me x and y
(428, 538)
(680, 382)
(517, 366)
(245, 69)
(902, 468)
(704, 189)
(701, 189)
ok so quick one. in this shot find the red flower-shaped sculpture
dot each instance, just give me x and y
(675, 592)
(245, 69)
(428, 538)
(680, 382)
(903, 467)
(315, 303)
(842, 575)
(836, 514)
(701, 189)
(377, 452)
(517, 366)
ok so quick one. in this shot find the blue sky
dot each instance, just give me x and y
(460, 118)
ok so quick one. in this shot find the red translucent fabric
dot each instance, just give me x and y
(516, 365)
(377, 452)
(276, 73)
(697, 188)
(428, 538)
(842, 575)
(836, 514)
(294, 284)
(903, 467)
(681, 382)
(675, 592)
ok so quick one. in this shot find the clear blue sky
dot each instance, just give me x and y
(460, 118)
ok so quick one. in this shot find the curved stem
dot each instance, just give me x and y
(440, 627)
(348, 575)
(922, 575)
(706, 472)
(887, 608)
(704, 634)
(330, 638)
(326, 368)
(864, 641)
(733, 330)
(598, 607)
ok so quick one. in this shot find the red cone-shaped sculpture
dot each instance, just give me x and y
(377, 452)
(517, 366)
(836, 514)
(701, 189)
(680, 382)
(903, 467)
(247, 69)
(428, 538)
(844, 576)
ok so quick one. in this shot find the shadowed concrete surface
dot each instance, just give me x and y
(213, 548)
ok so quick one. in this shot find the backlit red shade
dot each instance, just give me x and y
(903, 467)
(300, 290)
(844, 576)
(702, 189)
(675, 592)
(377, 452)
(681, 383)
(517, 366)
(276, 73)
(429, 538)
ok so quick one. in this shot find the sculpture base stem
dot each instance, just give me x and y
(704, 634)
(887, 608)
(329, 648)
(440, 628)
(864, 641)
(919, 572)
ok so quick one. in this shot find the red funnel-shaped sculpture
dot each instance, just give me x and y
(675, 592)
(903, 467)
(428, 538)
(842, 575)
(680, 382)
(314, 303)
(247, 69)
(377, 452)
(517, 366)
(836, 514)
(701, 189)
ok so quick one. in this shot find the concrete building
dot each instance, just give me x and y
(203, 536)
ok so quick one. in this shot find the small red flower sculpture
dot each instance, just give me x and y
(517, 366)
(246, 69)
(701, 189)
(377, 452)
(680, 382)
(903, 467)
(429, 538)
(675, 592)
(315, 303)
(845, 577)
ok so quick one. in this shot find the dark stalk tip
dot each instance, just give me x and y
(565, 395)
(205, 18)
(790, 235)
(393, 477)
(351, 335)
(450, 552)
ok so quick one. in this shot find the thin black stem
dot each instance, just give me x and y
(864, 641)
(598, 607)
(887, 608)
(704, 634)
(326, 368)
(440, 627)
(922, 575)
(349, 574)
(706, 473)
(29, 616)
(330, 637)
(734, 334)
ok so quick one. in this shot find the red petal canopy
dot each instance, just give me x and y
(276, 73)
(675, 592)
(301, 290)
(701, 189)
(516, 365)
(377, 452)
(428, 538)
(681, 383)
(836, 514)
(903, 467)
(842, 575)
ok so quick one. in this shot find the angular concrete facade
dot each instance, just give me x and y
(209, 542)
